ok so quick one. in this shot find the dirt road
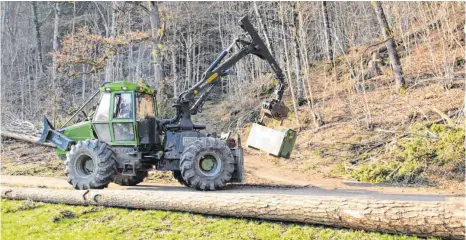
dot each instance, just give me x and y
(262, 177)
(44, 182)
(259, 170)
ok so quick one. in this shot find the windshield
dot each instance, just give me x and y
(123, 106)
(145, 106)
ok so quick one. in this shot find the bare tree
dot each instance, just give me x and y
(111, 33)
(155, 25)
(264, 27)
(328, 39)
(55, 42)
(297, 57)
(391, 47)
(38, 39)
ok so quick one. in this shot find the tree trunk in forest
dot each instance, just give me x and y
(328, 38)
(297, 57)
(174, 73)
(55, 43)
(111, 57)
(54, 63)
(38, 39)
(287, 60)
(264, 27)
(442, 219)
(155, 25)
(392, 53)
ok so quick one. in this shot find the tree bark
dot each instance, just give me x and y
(440, 219)
(287, 61)
(25, 138)
(392, 53)
(328, 39)
(297, 57)
(155, 25)
(38, 39)
(109, 65)
(54, 62)
(55, 43)
(264, 27)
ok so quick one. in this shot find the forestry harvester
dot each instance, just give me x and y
(124, 138)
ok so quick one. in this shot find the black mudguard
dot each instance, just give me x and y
(49, 134)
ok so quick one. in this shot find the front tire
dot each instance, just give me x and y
(207, 164)
(90, 164)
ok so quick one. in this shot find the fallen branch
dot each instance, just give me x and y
(25, 138)
(441, 219)
(404, 134)
(444, 117)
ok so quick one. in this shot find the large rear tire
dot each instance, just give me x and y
(207, 164)
(90, 164)
(123, 180)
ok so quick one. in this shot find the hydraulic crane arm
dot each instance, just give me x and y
(273, 108)
(216, 70)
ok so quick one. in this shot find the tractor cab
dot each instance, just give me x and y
(125, 115)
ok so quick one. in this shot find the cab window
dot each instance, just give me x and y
(123, 131)
(103, 109)
(123, 106)
(144, 106)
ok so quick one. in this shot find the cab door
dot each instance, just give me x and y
(101, 121)
(122, 119)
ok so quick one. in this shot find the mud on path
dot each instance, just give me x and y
(28, 161)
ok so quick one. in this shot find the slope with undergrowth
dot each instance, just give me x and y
(368, 131)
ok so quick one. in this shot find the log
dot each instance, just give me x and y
(26, 138)
(425, 219)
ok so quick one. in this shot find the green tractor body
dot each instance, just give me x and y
(78, 132)
(125, 127)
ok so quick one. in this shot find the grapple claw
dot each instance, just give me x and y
(275, 109)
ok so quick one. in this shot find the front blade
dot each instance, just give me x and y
(52, 136)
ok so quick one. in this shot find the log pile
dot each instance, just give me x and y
(426, 219)
(13, 124)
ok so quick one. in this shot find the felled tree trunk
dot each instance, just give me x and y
(25, 138)
(443, 219)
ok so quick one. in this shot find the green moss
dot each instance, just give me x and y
(437, 147)
(339, 171)
(57, 221)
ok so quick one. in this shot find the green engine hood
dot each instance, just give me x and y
(78, 132)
